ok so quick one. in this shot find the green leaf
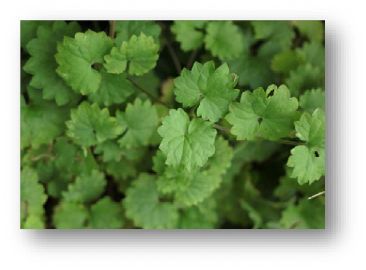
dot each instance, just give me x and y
(42, 64)
(202, 216)
(221, 160)
(126, 29)
(28, 31)
(90, 125)
(106, 214)
(279, 34)
(114, 89)
(260, 115)
(223, 39)
(139, 121)
(305, 77)
(79, 57)
(187, 143)
(109, 150)
(312, 99)
(313, 30)
(86, 188)
(308, 161)
(189, 34)
(40, 124)
(144, 208)
(68, 215)
(307, 214)
(285, 61)
(312, 53)
(33, 198)
(139, 55)
(212, 89)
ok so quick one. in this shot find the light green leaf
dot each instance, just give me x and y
(106, 214)
(260, 115)
(87, 187)
(144, 208)
(89, 125)
(126, 29)
(308, 161)
(189, 34)
(201, 216)
(139, 55)
(139, 121)
(224, 39)
(212, 89)
(78, 59)
(68, 215)
(187, 143)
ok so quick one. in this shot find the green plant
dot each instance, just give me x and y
(116, 134)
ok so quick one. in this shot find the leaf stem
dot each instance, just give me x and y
(147, 93)
(316, 195)
(173, 56)
(112, 28)
(191, 58)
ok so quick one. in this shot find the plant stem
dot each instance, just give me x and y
(147, 93)
(221, 128)
(173, 56)
(112, 28)
(191, 58)
(316, 195)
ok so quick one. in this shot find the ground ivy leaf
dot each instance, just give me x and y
(79, 57)
(42, 64)
(185, 142)
(126, 29)
(144, 208)
(68, 215)
(114, 89)
(139, 55)
(212, 89)
(223, 39)
(90, 125)
(33, 198)
(106, 214)
(40, 124)
(259, 115)
(312, 99)
(308, 161)
(139, 121)
(87, 187)
(189, 34)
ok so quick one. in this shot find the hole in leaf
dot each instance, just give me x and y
(270, 93)
(97, 66)
(316, 154)
(260, 119)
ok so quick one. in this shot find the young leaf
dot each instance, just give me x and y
(187, 143)
(189, 34)
(42, 64)
(259, 115)
(223, 39)
(78, 59)
(139, 122)
(138, 55)
(89, 125)
(144, 208)
(312, 99)
(212, 89)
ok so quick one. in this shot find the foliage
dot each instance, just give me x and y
(165, 125)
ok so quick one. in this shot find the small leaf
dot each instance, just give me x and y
(77, 58)
(106, 214)
(189, 34)
(187, 143)
(69, 215)
(89, 125)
